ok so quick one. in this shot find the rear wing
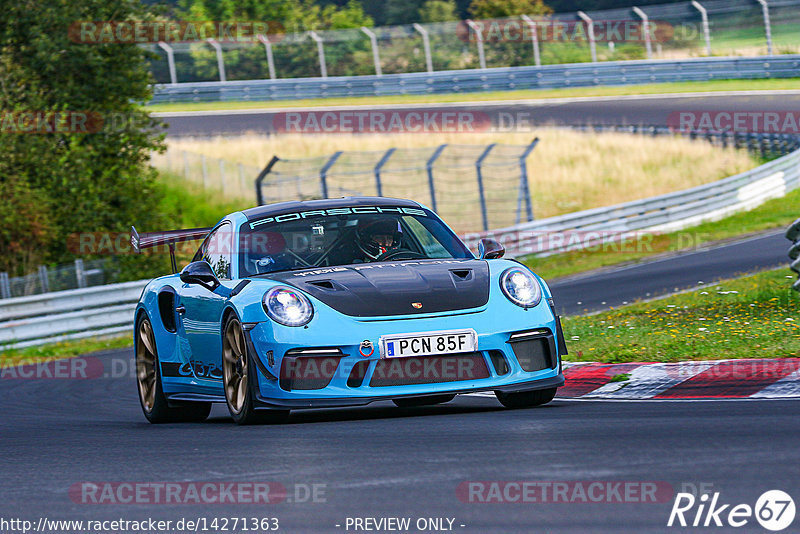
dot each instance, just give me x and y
(145, 240)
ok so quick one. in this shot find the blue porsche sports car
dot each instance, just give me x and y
(339, 303)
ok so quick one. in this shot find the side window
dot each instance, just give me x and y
(217, 251)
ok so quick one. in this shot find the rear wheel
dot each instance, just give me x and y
(148, 377)
(237, 373)
(410, 402)
(526, 399)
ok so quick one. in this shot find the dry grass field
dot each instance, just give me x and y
(568, 170)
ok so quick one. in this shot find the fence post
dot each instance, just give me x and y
(220, 62)
(173, 77)
(323, 173)
(481, 192)
(426, 45)
(590, 34)
(323, 69)
(646, 30)
(378, 168)
(205, 171)
(767, 25)
(534, 39)
(222, 174)
(479, 37)
(376, 58)
(524, 188)
(79, 273)
(260, 178)
(270, 61)
(242, 185)
(704, 17)
(5, 286)
(43, 279)
(429, 169)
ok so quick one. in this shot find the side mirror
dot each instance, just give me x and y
(489, 249)
(199, 272)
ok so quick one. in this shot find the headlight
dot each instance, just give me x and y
(287, 306)
(521, 287)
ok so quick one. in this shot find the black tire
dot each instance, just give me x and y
(526, 399)
(154, 403)
(237, 368)
(411, 402)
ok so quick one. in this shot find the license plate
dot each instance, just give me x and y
(428, 343)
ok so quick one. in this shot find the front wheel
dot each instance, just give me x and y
(148, 378)
(525, 399)
(237, 373)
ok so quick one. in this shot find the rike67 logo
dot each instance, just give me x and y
(774, 510)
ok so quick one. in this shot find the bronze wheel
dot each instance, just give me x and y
(146, 365)
(234, 366)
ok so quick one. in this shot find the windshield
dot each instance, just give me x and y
(344, 236)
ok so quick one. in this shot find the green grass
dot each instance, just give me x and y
(775, 213)
(62, 349)
(644, 89)
(753, 317)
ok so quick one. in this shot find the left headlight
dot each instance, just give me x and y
(288, 306)
(521, 287)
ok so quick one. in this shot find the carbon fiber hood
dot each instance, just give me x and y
(396, 288)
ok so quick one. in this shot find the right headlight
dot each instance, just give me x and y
(521, 287)
(287, 306)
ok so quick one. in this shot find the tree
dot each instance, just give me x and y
(91, 181)
(438, 11)
(493, 9)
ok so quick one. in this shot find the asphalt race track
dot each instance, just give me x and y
(380, 461)
(649, 110)
(619, 286)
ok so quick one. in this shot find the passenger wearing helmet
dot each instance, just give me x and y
(376, 237)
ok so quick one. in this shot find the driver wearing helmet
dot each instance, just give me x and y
(377, 237)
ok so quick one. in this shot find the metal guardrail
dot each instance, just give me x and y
(494, 79)
(64, 315)
(793, 235)
(664, 213)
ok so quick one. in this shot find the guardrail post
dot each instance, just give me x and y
(479, 37)
(80, 275)
(323, 173)
(5, 286)
(220, 61)
(323, 69)
(378, 167)
(767, 25)
(173, 77)
(426, 45)
(260, 179)
(270, 60)
(646, 30)
(376, 58)
(429, 169)
(481, 192)
(205, 170)
(704, 16)
(590, 34)
(534, 39)
(524, 188)
(44, 281)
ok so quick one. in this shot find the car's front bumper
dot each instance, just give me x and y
(499, 367)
